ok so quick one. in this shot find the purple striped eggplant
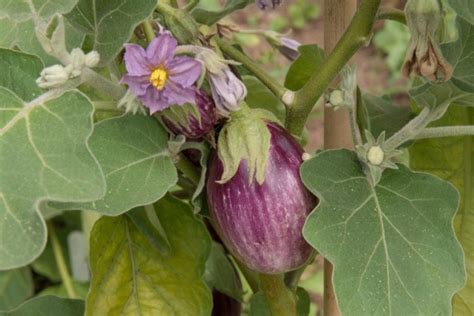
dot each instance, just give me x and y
(192, 120)
(262, 224)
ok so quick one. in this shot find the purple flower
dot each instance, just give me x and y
(289, 48)
(157, 77)
(265, 4)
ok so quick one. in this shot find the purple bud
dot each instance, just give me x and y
(289, 48)
(261, 224)
(192, 120)
(227, 90)
(265, 4)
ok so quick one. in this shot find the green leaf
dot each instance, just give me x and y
(111, 22)
(391, 245)
(208, 17)
(393, 39)
(60, 290)
(310, 59)
(259, 96)
(134, 156)
(452, 159)
(44, 156)
(19, 72)
(15, 287)
(48, 305)
(129, 277)
(17, 25)
(464, 8)
(221, 275)
(460, 54)
(383, 115)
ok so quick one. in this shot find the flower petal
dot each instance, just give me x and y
(177, 95)
(138, 84)
(154, 100)
(184, 71)
(161, 49)
(135, 60)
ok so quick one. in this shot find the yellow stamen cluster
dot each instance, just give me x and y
(158, 77)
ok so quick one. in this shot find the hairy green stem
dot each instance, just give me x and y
(191, 5)
(356, 35)
(253, 67)
(60, 261)
(188, 169)
(102, 84)
(391, 14)
(446, 131)
(280, 299)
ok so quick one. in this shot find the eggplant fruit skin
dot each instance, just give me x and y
(196, 128)
(262, 224)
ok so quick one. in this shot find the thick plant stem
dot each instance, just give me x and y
(188, 169)
(280, 299)
(253, 67)
(148, 30)
(60, 261)
(356, 35)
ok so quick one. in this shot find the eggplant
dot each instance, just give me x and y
(194, 121)
(224, 305)
(262, 224)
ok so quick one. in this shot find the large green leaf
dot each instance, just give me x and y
(452, 159)
(21, 10)
(393, 246)
(59, 290)
(210, 17)
(464, 8)
(48, 306)
(110, 22)
(19, 72)
(15, 287)
(130, 277)
(43, 156)
(310, 59)
(133, 153)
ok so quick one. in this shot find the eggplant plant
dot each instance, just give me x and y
(150, 166)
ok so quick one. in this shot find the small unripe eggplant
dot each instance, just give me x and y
(261, 224)
(192, 120)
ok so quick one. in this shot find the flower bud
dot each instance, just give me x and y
(53, 77)
(375, 155)
(77, 61)
(424, 56)
(227, 90)
(268, 4)
(286, 46)
(92, 59)
(191, 120)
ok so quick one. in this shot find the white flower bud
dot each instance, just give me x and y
(336, 98)
(77, 61)
(92, 59)
(53, 77)
(375, 155)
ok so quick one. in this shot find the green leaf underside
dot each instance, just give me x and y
(21, 10)
(132, 151)
(310, 59)
(210, 17)
(451, 158)
(464, 8)
(129, 277)
(111, 22)
(15, 287)
(221, 275)
(48, 306)
(392, 246)
(52, 163)
(460, 54)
